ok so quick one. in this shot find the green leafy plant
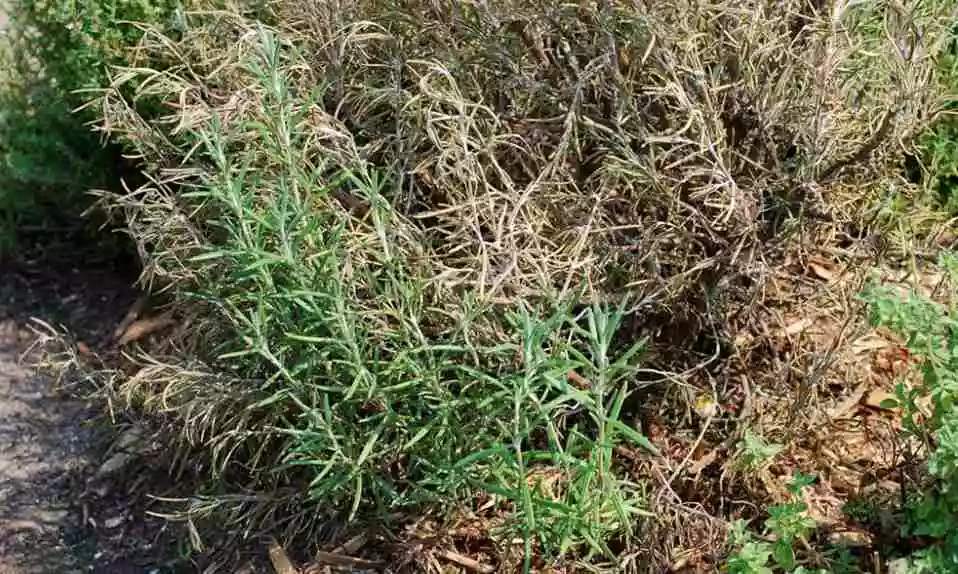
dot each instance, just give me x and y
(403, 237)
(755, 452)
(787, 525)
(931, 332)
(376, 392)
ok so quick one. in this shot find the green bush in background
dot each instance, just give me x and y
(939, 147)
(53, 53)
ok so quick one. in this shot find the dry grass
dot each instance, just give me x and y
(362, 196)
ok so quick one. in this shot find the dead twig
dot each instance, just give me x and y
(466, 562)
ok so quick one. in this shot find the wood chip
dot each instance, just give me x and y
(281, 562)
(143, 327)
(466, 562)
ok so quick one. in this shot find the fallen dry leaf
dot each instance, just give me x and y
(132, 314)
(869, 343)
(796, 327)
(143, 327)
(821, 271)
(848, 405)
(579, 381)
(701, 464)
(466, 562)
(875, 398)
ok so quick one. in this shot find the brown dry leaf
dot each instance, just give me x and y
(279, 559)
(884, 361)
(701, 464)
(821, 270)
(930, 283)
(869, 343)
(822, 504)
(876, 396)
(848, 406)
(143, 327)
(796, 327)
(132, 314)
(579, 381)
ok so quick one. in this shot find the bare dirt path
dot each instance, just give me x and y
(52, 518)
(42, 450)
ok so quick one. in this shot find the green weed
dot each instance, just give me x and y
(754, 452)
(787, 524)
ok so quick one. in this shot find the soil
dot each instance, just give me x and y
(54, 514)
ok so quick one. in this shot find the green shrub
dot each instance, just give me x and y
(53, 53)
(383, 393)
(754, 452)
(938, 147)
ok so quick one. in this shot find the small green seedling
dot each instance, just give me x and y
(754, 452)
(786, 525)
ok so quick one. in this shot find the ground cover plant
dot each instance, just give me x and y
(530, 285)
(927, 410)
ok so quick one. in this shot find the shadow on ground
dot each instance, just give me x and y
(52, 518)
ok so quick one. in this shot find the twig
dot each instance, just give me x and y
(863, 152)
(466, 562)
(349, 561)
(698, 441)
